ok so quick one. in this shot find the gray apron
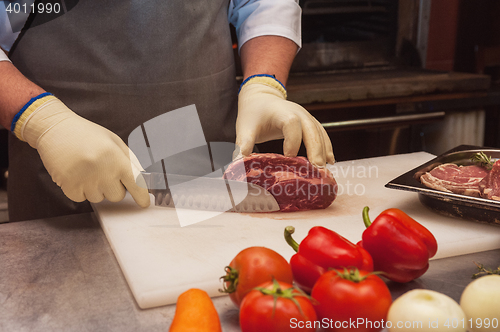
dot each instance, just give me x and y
(120, 63)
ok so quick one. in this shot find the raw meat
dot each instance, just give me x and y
(490, 185)
(462, 180)
(295, 183)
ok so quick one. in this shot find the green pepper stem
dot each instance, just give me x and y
(289, 230)
(366, 218)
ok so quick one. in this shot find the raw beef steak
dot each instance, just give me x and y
(490, 185)
(462, 180)
(295, 183)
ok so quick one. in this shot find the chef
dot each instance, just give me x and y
(73, 88)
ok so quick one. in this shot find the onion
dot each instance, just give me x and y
(424, 311)
(481, 303)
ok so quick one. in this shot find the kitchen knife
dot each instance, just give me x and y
(208, 193)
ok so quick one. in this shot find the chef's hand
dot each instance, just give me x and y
(264, 114)
(87, 161)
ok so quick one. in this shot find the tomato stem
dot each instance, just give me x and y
(366, 218)
(352, 274)
(289, 230)
(289, 293)
(230, 280)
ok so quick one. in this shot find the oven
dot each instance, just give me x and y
(347, 34)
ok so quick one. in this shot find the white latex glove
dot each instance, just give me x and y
(264, 114)
(86, 160)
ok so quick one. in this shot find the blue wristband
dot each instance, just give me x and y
(32, 100)
(260, 75)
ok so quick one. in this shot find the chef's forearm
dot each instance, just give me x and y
(271, 55)
(15, 91)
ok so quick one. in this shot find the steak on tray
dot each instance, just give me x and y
(462, 180)
(295, 183)
(490, 185)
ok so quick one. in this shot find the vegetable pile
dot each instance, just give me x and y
(333, 284)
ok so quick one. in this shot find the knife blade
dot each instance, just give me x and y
(208, 193)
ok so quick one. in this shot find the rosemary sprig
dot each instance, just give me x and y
(484, 271)
(482, 159)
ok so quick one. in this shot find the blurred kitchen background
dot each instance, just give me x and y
(390, 76)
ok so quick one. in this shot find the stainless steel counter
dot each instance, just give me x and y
(60, 274)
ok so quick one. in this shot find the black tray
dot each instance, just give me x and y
(477, 209)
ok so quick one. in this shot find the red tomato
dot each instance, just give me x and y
(351, 301)
(252, 267)
(276, 307)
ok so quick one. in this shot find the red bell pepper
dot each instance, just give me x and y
(321, 250)
(400, 246)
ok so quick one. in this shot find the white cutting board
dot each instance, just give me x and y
(160, 259)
